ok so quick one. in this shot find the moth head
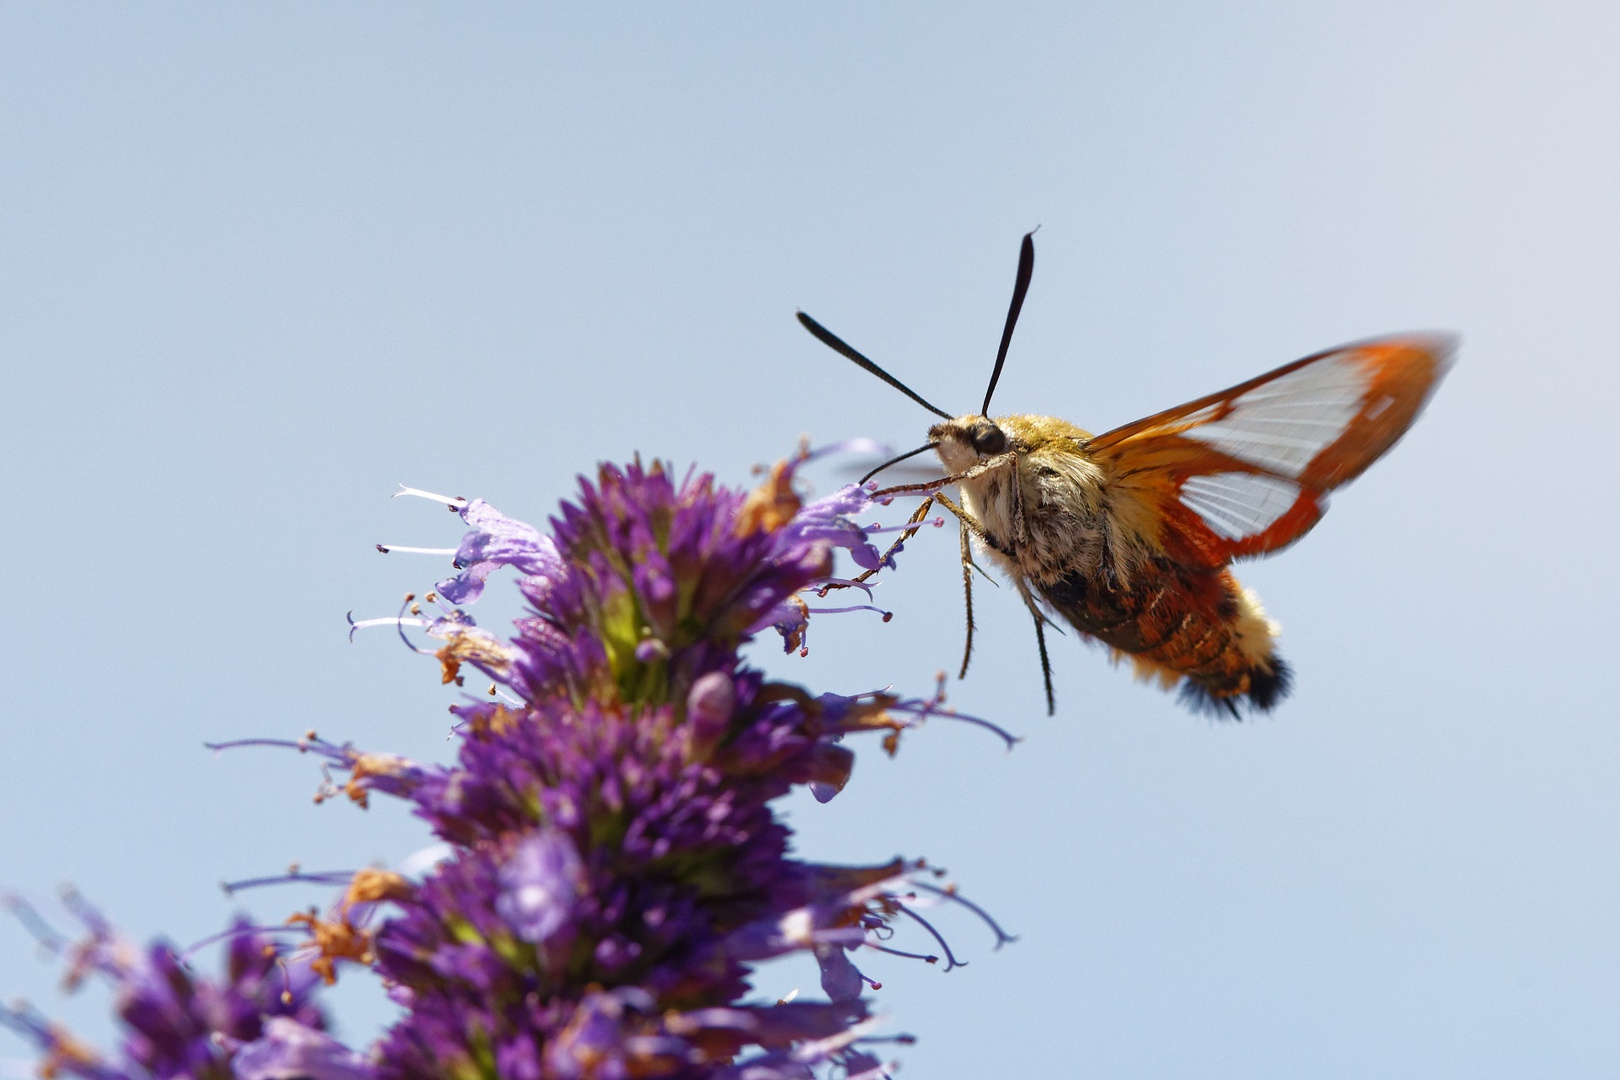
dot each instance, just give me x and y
(967, 441)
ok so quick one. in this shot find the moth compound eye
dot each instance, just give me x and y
(989, 439)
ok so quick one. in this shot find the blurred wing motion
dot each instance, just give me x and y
(903, 473)
(1246, 471)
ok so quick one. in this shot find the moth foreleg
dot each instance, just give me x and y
(914, 523)
(963, 516)
(972, 474)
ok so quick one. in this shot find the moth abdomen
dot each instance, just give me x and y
(1198, 628)
(1268, 684)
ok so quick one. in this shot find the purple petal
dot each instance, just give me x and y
(840, 978)
(496, 541)
(540, 885)
(290, 1051)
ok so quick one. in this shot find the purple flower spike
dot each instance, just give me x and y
(614, 866)
(540, 885)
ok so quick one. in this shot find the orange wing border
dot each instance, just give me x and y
(1269, 449)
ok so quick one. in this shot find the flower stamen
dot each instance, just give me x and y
(455, 503)
(951, 962)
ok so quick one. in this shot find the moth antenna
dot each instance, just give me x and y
(1026, 269)
(897, 460)
(837, 345)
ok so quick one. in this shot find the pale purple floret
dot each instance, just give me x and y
(496, 541)
(289, 1050)
(829, 520)
(841, 980)
(709, 706)
(540, 885)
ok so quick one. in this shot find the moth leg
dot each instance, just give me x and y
(978, 470)
(1046, 667)
(967, 593)
(1020, 526)
(969, 524)
(915, 522)
(963, 516)
(1040, 642)
(978, 530)
(966, 527)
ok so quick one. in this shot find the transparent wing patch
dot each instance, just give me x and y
(1246, 471)
(1283, 424)
(1239, 505)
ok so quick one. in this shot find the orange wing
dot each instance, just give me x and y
(1247, 471)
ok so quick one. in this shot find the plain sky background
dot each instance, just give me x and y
(258, 264)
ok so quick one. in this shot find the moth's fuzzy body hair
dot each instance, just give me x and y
(1100, 564)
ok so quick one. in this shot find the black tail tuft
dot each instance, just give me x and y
(1266, 688)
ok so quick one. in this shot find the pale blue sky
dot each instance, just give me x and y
(259, 264)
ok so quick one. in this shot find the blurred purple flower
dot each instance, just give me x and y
(176, 1023)
(289, 1050)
